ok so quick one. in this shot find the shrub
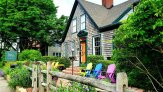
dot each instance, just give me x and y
(61, 60)
(31, 55)
(49, 58)
(6, 68)
(94, 59)
(2, 61)
(20, 63)
(20, 77)
(105, 63)
(76, 87)
(65, 61)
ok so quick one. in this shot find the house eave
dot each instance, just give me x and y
(110, 27)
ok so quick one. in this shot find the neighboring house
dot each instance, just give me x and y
(97, 22)
(54, 50)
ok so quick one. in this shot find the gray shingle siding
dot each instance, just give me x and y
(107, 43)
(92, 31)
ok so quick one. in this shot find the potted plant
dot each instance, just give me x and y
(20, 77)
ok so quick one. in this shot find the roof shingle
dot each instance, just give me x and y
(103, 16)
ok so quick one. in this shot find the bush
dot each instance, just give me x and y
(6, 68)
(61, 60)
(65, 61)
(49, 58)
(76, 87)
(2, 61)
(30, 55)
(20, 77)
(94, 59)
(105, 63)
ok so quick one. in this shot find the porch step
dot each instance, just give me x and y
(76, 70)
(70, 72)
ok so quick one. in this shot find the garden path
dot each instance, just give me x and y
(4, 85)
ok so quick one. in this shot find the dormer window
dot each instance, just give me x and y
(82, 22)
(74, 25)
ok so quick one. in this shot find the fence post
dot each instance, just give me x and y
(41, 79)
(34, 78)
(49, 77)
(121, 82)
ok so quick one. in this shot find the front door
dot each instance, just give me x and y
(83, 51)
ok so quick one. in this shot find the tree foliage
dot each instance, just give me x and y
(139, 45)
(30, 19)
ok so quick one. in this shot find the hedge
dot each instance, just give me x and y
(95, 59)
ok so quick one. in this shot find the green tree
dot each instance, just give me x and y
(33, 21)
(139, 46)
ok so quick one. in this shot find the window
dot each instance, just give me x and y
(96, 46)
(74, 26)
(82, 20)
(58, 54)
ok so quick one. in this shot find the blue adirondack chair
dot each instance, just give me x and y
(97, 70)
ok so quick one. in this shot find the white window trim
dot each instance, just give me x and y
(94, 44)
(82, 22)
(74, 25)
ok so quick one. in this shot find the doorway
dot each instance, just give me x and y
(83, 51)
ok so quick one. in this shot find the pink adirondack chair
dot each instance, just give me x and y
(109, 74)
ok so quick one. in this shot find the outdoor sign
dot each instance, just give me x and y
(10, 55)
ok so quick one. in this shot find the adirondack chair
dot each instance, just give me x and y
(55, 64)
(109, 74)
(87, 71)
(97, 70)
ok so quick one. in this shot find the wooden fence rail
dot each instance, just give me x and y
(121, 84)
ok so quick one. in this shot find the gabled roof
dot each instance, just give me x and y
(102, 18)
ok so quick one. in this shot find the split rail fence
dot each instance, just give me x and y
(121, 84)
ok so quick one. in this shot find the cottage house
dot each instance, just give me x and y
(90, 28)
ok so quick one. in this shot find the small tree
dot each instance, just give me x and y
(139, 45)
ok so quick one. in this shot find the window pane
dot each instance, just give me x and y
(59, 54)
(74, 26)
(74, 22)
(82, 22)
(97, 47)
(53, 53)
(82, 18)
(83, 26)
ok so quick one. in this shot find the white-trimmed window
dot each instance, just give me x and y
(58, 54)
(74, 26)
(97, 45)
(82, 22)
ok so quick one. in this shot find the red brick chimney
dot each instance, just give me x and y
(107, 3)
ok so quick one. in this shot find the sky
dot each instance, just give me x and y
(65, 6)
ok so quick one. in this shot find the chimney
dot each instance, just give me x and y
(107, 3)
